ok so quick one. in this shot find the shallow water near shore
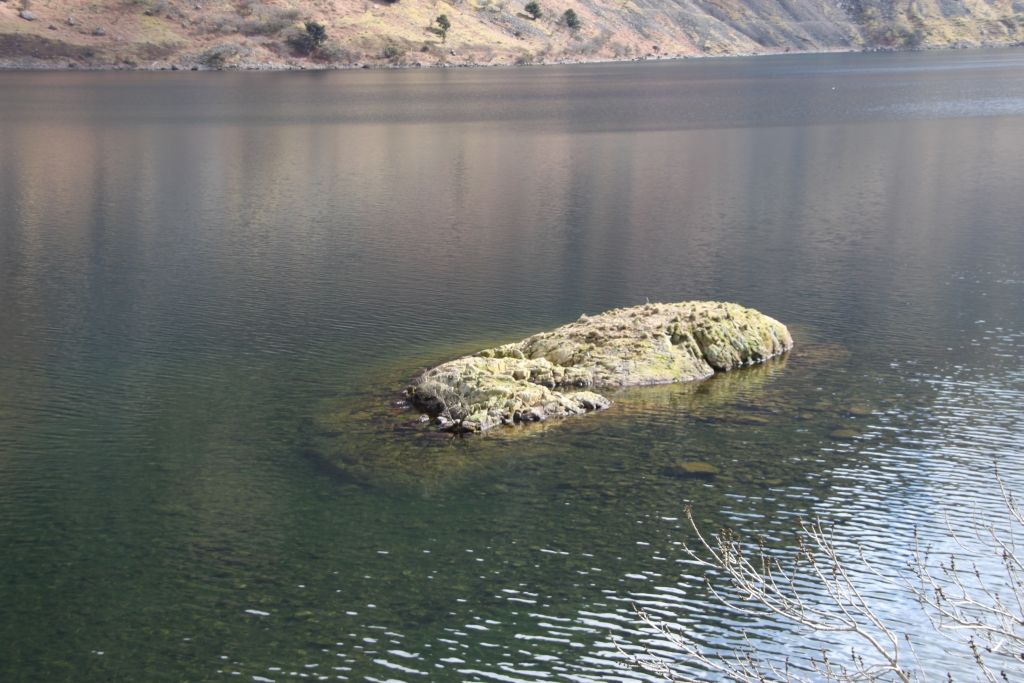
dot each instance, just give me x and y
(213, 288)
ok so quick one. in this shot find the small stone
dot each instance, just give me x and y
(534, 415)
(99, 31)
(27, 15)
(592, 401)
(70, 21)
(52, 27)
(693, 469)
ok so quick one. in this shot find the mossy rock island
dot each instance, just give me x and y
(558, 373)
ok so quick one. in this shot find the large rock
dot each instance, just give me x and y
(553, 374)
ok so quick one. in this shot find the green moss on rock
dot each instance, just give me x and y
(553, 374)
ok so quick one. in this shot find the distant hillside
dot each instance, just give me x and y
(269, 33)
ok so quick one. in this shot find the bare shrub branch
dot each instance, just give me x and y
(973, 595)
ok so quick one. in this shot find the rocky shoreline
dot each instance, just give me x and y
(555, 374)
(29, 63)
(34, 64)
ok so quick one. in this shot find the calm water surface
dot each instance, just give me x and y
(213, 286)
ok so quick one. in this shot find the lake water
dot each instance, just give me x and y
(213, 288)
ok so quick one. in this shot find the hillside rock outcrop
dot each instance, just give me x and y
(557, 373)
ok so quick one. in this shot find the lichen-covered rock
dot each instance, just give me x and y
(552, 374)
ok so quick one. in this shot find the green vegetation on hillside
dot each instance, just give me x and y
(443, 24)
(571, 19)
(310, 40)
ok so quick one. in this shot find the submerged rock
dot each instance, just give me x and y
(693, 469)
(554, 374)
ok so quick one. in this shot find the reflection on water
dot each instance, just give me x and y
(213, 288)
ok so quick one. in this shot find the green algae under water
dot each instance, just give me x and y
(380, 440)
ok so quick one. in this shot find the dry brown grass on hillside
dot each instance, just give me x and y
(227, 33)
